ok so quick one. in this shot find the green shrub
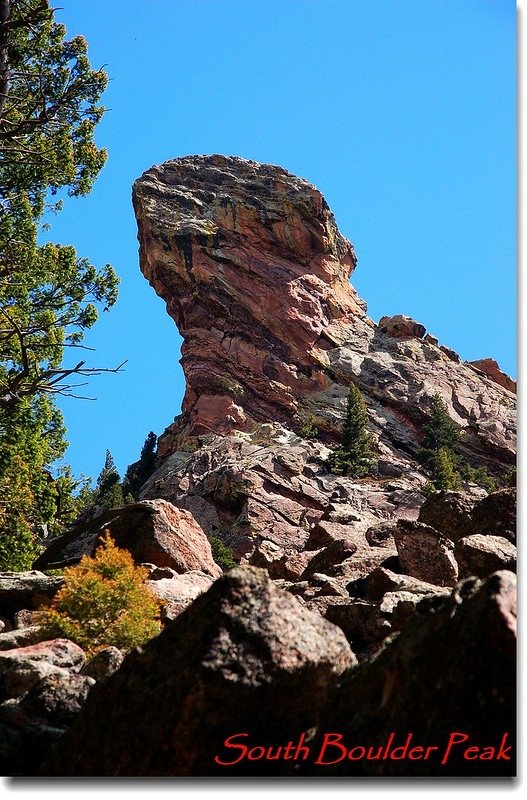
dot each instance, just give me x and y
(480, 476)
(222, 554)
(309, 428)
(104, 601)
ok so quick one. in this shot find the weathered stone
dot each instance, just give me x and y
(178, 591)
(481, 555)
(32, 723)
(21, 637)
(59, 652)
(451, 669)
(266, 555)
(381, 535)
(325, 585)
(495, 515)
(103, 664)
(360, 621)
(402, 327)
(492, 370)
(23, 618)
(240, 657)
(450, 354)
(382, 581)
(449, 513)
(425, 553)
(152, 530)
(295, 565)
(22, 674)
(330, 557)
(30, 589)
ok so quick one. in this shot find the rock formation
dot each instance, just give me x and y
(256, 276)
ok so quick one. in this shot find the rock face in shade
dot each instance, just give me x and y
(153, 531)
(495, 515)
(449, 513)
(243, 657)
(425, 554)
(451, 669)
(256, 275)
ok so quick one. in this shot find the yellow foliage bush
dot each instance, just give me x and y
(104, 601)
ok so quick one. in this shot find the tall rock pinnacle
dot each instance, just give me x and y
(256, 276)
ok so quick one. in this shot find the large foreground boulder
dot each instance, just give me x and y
(153, 531)
(245, 657)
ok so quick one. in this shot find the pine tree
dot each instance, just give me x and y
(444, 475)
(137, 474)
(440, 431)
(355, 457)
(49, 296)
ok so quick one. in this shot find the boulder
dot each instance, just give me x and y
(60, 652)
(425, 553)
(330, 557)
(21, 637)
(103, 664)
(449, 513)
(17, 678)
(31, 589)
(31, 724)
(401, 327)
(152, 531)
(178, 591)
(381, 534)
(239, 658)
(383, 580)
(481, 555)
(495, 515)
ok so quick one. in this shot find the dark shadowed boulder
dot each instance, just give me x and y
(244, 657)
(330, 557)
(453, 669)
(495, 515)
(152, 531)
(449, 513)
(381, 535)
(32, 723)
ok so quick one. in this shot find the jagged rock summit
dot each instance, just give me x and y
(256, 276)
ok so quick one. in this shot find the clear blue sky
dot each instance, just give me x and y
(402, 112)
